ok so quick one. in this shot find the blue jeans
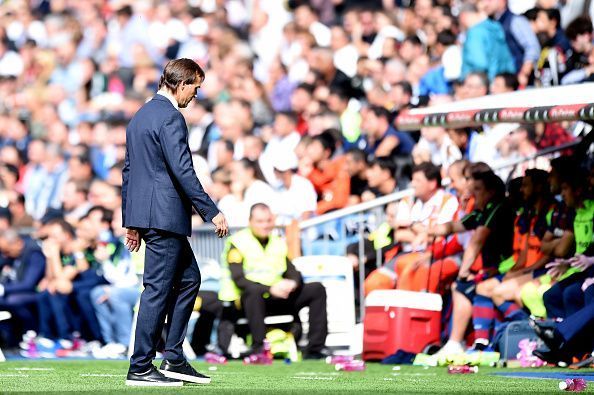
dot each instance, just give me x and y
(116, 313)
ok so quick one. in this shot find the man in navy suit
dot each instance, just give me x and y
(159, 190)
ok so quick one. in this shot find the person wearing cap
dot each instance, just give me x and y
(297, 194)
(195, 47)
(258, 278)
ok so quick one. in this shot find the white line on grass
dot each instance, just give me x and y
(313, 378)
(317, 374)
(39, 369)
(414, 374)
(101, 375)
(14, 375)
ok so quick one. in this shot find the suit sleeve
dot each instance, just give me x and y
(125, 177)
(34, 274)
(173, 136)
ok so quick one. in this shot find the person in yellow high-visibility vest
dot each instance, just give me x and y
(258, 275)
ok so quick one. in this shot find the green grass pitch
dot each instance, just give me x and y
(302, 377)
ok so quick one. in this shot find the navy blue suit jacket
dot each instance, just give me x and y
(159, 183)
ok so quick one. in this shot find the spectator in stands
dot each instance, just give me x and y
(400, 96)
(328, 175)
(267, 283)
(584, 74)
(220, 191)
(504, 83)
(22, 270)
(476, 84)
(555, 46)
(350, 117)
(528, 260)
(439, 80)
(62, 267)
(296, 196)
(435, 268)
(491, 240)
(356, 164)
(248, 178)
(485, 49)
(443, 150)
(382, 138)
(572, 337)
(80, 169)
(283, 142)
(432, 206)
(381, 178)
(46, 193)
(461, 137)
(579, 33)
(114, 302)
(300, 101)
(20, 219)
(74, 201)
(520, 38)
(520, 143)
(559, 300)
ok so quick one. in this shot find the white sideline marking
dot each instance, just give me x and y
(317, 374)
(313, 378)
(414, 374)
(14, 375)
(100, 375)
(38, 369)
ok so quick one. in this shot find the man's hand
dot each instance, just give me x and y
(220, 223)
(581, 262)
(132, 240)
(557, 267)
(103, 297)
(50, 248)
(283, 288)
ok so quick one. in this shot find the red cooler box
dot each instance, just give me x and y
(400, 320)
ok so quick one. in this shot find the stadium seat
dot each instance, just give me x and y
(336, 275)
(4, 315)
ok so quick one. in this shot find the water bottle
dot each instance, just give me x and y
(258, 359)
(211, 357)
(351, 366)
(573, 385)
(267, 347)
(339, 359)
(462, 369)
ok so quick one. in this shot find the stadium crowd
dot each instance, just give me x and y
(297, 111)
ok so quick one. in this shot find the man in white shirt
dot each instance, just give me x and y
(283, 142)
(432, 206)
(297, 198)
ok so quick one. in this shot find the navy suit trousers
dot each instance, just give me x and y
(171, 282)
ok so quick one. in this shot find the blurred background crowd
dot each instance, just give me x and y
(297, 111)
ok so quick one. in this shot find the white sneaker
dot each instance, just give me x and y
(451, 347)
(110, 351)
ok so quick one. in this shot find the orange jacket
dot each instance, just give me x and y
(333, 185)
